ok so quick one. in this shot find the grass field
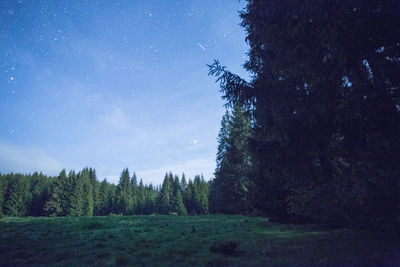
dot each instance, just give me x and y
(175, 240)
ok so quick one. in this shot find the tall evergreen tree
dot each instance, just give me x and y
(325, 94)
(141, 198)
(222, 139)
(124, 195)
(177, 204)
(16, 200)
(56, 201)
(3, 188)
(183, 185)
(38, 188)
(164, 197)
(189, 199)
(177, 200)
(87, 196)
(150, 195)
(95, 189)
(200, 195)
(106, 196)
(135, 197)
(231, 186)
(76, 199)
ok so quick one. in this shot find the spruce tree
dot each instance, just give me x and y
(124, 194)
(76, 200)
(17, 196)
(189, 199)
(200, 195)
(232, 180)
(176, 186)
(324, 92)
(177, 204)
(216, 185)
(135, 197)
(183, 185)
(141, 198)
(38, 188)
(87, 196)
(149, 205)
(105, 207)
(165, 193)
(3, 187)
(222, 139)
(57, 203)
(95, 190)
(171, 187)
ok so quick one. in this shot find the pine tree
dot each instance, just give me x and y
(171, 188)
(177, 204)
(324, 92)
(163, 202)
(87, 196)
(107, 197)
(183, 185)
(141, 198)
(205, 191)
(105, 201)
(124, 195)
(57, 204)
(176, 185)
(200, 195)
(76, 200)
(3, 188)
(189, 199)
(212, 197)
(232, 180)
(222, 139)
(38, 188)
(150, 195)
(217, 185)
(95, 190)
(17, 196)
(135, 196)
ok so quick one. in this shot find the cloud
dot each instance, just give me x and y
(26, 159)
(116, 119)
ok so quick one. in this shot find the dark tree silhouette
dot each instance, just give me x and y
(325, 99)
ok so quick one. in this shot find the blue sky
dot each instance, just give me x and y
(114, 84)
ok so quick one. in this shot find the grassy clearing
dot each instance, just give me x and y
(186, 240)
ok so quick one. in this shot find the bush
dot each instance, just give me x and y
(224, 247)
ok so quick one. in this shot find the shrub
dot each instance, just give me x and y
(224, 247)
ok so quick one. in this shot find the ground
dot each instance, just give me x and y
(156, 240)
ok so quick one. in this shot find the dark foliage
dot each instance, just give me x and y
(80, 194)
(325, 100)
(230, 188)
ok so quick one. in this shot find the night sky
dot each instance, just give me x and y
(114, 84)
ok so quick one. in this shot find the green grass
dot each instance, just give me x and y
(186, 240)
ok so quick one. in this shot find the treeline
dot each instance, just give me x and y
(81, 194)
(314, 135)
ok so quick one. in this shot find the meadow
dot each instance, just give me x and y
(212, 240)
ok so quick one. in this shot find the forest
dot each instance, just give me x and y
(81, 194)
(312, 137)
(307, 168)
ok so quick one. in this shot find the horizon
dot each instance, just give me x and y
(115, 85)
